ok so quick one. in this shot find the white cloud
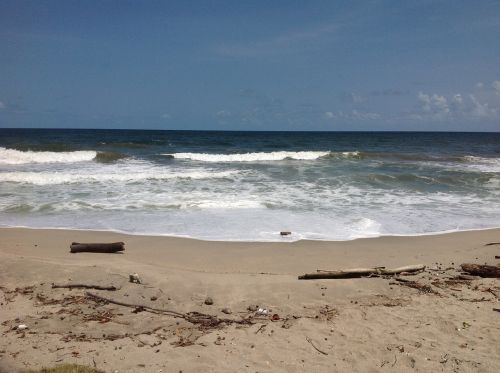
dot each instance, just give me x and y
(353, 97)
(352, 115)
(457, 107)
(2, 105)
(355, 114)
(223, 114)
(479, 85)
(481, 110)
(166, 116)
(434, 106)
(496, 86)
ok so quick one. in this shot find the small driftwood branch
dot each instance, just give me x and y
(482, 270)
(132, 305)
(361, 272)
(205, 321)
(316, 348)
(492, 243)
(466, 277)
(84, 286)
(113, 247)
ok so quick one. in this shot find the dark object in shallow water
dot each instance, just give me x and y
(285, 233)
(482, 270)
(113, 247)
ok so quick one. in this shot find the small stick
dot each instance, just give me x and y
(316, 348)
(402, 279)
(395, 360)
(140, 306)
(85, 286)
(192, 317)
(261, 327)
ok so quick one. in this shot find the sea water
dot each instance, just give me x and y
(250, 185)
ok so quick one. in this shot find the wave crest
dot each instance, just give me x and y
(250, 157)
(53, 178)
(12, 156)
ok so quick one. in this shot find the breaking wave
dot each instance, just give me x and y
(483, 164)
(250, 157)
(11, 156)
(53, 178)
(16, 157)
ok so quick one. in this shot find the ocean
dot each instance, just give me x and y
(250, 185)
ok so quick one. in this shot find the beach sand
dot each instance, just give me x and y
(347, 325)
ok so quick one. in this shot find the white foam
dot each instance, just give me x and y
(12, 156)
(250, 157)
(218, 204)
(483, 164)
(53, 178)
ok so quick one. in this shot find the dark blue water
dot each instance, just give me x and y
(250, 185)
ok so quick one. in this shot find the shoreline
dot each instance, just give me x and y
(278, 240)
(360, 324)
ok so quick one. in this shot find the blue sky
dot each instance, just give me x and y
(255, 65)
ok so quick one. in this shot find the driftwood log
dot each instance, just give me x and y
(113, 247)
(482, 270)
(361, 272)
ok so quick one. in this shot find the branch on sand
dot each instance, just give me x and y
(362, 272)
(316, 348)
(84, 286)
(205, 321)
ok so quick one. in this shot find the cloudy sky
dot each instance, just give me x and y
(253, 65)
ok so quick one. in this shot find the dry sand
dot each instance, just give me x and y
(350, 325)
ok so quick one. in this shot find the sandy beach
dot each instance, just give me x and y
(363, 325)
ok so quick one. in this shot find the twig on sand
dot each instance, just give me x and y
(420, 287)
(205, 321)
(261, 327)
(84, 286)
(316, 348)
(395, 360)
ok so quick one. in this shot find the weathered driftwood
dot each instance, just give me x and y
(113, 247)
(361, 272)
(481, 270)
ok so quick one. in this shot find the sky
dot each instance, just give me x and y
(430, 65)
